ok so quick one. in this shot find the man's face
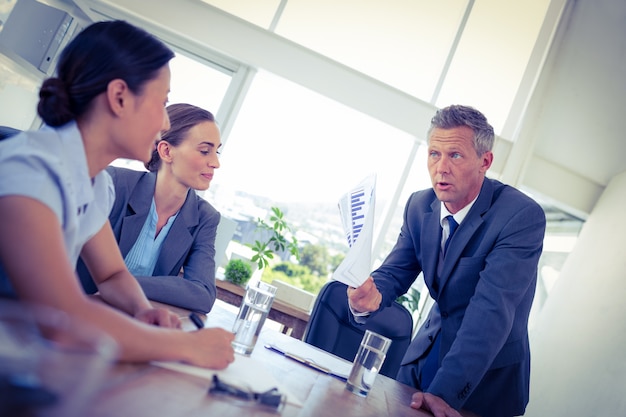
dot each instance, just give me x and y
(456, 172)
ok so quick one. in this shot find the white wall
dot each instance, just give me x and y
(579, 342)
(575, 117)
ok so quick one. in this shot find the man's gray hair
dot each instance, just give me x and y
(456, 116)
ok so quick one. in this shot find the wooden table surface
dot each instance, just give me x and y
(139, 390)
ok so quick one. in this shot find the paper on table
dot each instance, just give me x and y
(244, 371)
(356, 209)
(338, 366)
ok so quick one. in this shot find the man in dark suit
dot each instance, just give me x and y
(472, 352)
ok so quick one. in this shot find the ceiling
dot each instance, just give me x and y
(568, 145)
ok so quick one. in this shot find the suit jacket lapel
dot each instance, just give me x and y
(464, 233)
(179, 238)
(430, 242)
(137, 210)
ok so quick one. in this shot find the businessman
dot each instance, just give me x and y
(477, 242)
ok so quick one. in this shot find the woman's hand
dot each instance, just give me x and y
(212, 348)
(159, 317)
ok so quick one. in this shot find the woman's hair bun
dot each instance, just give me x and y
(54, 103)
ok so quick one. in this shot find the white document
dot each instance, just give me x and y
(289, 346)
(243, 372)
(356, 209)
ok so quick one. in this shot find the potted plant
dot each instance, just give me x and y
(276, 240)
(238, 272)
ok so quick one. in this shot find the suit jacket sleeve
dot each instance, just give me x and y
(195, 290)
(403, 264)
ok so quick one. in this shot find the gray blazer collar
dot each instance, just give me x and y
(180, 234)
(139, 202)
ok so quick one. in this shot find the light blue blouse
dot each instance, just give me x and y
(143, 256)
(50, 166)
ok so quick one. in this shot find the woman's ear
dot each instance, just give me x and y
(118, 95)
(165, 150)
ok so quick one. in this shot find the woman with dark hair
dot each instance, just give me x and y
(160, 223)
(106, 102)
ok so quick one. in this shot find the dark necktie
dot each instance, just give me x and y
(452, 225)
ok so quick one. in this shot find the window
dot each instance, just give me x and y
(402, 43)
(294, 148)
(492, 55)
(409, 44)
(192, 82)
(197, 83)
(302, 152)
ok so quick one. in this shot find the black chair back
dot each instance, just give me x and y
(330, 328)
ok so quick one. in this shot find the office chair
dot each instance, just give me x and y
(330, 329)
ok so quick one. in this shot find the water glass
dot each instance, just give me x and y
(367, 363)
(255, 306)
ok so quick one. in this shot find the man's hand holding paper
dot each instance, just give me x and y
(366, 298)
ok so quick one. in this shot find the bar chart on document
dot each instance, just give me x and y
(356, 209)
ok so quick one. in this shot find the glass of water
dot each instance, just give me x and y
(255, 306)
(367, 363)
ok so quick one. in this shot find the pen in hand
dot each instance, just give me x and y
(196, 320)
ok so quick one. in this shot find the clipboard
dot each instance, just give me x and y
(342, 376)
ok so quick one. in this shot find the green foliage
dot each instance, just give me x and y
(277, 241)
(297, 275)
(410, 300)
(316, 257)
(291, 270)
(335, 260)
(238, 271)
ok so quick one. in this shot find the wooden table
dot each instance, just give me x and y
(293, 320)
(139, 390)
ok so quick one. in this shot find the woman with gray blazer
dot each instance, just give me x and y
(165, 231)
